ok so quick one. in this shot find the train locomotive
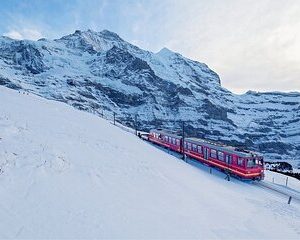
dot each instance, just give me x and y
(244, 164)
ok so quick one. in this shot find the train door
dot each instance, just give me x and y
(205, 153)
(228, 159)
(234, 160)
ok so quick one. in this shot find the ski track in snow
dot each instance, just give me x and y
(69, 174)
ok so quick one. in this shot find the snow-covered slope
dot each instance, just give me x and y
(98, 71)
(70, 174)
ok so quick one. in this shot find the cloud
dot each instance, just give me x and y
(30, 34)
(250, 44)
(14, 34)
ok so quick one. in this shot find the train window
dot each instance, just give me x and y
(199, 149)
(194, 146)
(260, 162)
(185, 145)
(221, 156)
(170, 140)
(177, 142)
(240, 161)
(251, 163)
(166, 138)
(173, 141)
(189, 146)
(228, 159)
(213, 153)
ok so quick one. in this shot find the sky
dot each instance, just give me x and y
(251, 44)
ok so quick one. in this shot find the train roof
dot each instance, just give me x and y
(168, 133)
(222, 147)
(204, 142)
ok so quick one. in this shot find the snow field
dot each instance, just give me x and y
(70, 174)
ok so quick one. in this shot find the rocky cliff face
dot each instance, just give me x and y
(97, 71)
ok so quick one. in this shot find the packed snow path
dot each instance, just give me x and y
(70, 174)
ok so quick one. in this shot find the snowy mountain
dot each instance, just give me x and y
(69, 174)
(97, 71)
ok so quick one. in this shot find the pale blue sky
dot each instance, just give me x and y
(251, 44)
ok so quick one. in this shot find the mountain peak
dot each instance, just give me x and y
(104, 34)
(91, 40)
(166, 51)
(108, 33)
(77, 32)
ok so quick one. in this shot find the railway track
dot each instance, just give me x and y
(295, 195)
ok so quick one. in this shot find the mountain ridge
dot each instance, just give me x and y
(96, 71)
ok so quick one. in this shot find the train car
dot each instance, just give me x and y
(238, 162)
(242, 163)
(167, 139)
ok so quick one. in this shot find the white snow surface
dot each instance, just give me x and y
(282, 180)
(70, 174)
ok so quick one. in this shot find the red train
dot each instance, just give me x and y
(234, 161)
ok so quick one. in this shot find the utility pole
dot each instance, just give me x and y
(114, 118)
(183, 137)
(135, 124)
